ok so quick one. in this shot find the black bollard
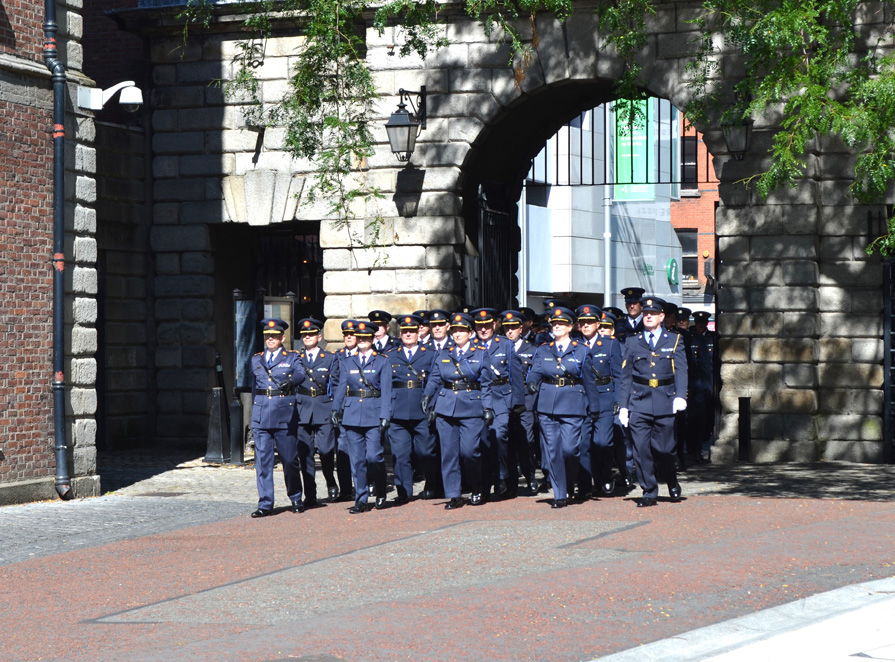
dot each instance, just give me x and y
(218, 434)
(237, 442)
(745, 429)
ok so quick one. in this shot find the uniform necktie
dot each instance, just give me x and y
(652, 341)
(409, 355)
(269, 359)
(363, 361)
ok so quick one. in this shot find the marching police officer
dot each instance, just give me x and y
(382, 342)
(362, 404)
(624, 453)
(632, 323)
(409, 430)
(606, 355)
(507, 395)
(315, 402)
(652, 390)
(458, 393)
(425, 331)
(522, 429)
(439, 330)
(276, 371)
(561, 375)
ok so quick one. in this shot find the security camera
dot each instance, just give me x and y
(131, 98)
(93, 98)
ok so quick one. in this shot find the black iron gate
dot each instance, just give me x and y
(489, 272)
(889, 358)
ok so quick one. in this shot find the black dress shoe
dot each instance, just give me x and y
(476, 500)
(453, 504)
(262, 512)
(609, 487)
(674, 491)
(371, 489)
(359, 508)
(534, 486)
(646, 502)
(380, 502)
(501, 490)
(298, 507)
(629, 484)
(559, 503)
(333, 492)
(427, 494)
(400, 500)
(312, 503)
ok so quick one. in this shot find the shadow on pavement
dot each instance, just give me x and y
(815, 480)
(118, 469)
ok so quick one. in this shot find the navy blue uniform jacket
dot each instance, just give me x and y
(668, 362)
(321, 375)
(275, 412)
(574, 400)
(363, 412)
(473, 367)
(406, 401)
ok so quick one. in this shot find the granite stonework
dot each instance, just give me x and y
(800, 303)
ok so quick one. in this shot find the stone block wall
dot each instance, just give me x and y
(799, 315)
(127, 334)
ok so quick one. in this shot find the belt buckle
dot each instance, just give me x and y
(313, 392)
(654, 383)
(410, 383)
(561, 381)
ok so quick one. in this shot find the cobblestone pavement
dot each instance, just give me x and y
(168, 566)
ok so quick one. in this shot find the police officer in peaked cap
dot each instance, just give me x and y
(652, 389)
(276, 372)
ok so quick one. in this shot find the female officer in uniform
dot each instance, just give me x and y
(460, 382)
(277, 372)
(362, 403)
(562, 377)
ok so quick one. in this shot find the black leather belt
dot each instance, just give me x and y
(408, 384)
(562, 381)
(270, 392)
(653, 383)
(363, 393)
(463, 386)
(497, 381)
(313, 391)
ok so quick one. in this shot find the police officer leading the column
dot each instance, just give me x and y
(653, 389)
(276, 371)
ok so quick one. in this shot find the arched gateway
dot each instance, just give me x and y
(800, 308)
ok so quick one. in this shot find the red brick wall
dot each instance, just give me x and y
(26, 246)
(21, 28)
(698, 213)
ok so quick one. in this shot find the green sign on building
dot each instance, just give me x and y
(635, 156)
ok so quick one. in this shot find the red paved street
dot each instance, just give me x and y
(507, 581)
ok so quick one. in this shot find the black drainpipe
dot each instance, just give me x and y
(63, 482)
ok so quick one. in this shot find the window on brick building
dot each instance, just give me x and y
(689, 253)
(689, 163)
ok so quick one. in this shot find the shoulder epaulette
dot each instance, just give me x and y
(259, 353)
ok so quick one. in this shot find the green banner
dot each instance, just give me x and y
(635, 155)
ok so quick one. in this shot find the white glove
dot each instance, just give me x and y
(623, 416)
(678, 404)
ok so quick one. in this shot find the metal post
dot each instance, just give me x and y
(218, 434)
(745, 429)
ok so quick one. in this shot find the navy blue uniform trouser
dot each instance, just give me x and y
(365, 449)
(653, 445)
(266, 443)
(560, 448)
(460, 439)
(406, 437)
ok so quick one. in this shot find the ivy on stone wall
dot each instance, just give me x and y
(814, 69)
